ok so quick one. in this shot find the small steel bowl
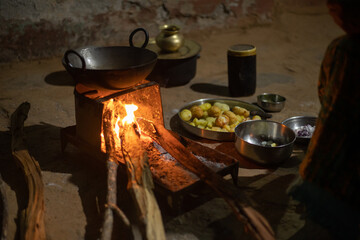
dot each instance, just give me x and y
(297, 122)
(271, 102)
(250, 135)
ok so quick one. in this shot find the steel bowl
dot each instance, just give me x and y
(271, 102)
(298, 122)
(215, 135)
(250, 136)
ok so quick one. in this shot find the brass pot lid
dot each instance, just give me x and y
(189, 49)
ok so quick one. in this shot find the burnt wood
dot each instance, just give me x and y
(140, 184)
(32, 218)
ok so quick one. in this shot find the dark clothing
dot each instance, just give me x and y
(331, 166)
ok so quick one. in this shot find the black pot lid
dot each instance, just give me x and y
(188, 50)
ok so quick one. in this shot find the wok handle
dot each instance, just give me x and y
(146, 37)
(67, 61)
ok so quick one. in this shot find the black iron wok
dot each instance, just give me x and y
(111, 67)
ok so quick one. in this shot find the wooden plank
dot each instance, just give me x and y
(32, 219)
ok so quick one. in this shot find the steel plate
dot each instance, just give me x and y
(215, 135)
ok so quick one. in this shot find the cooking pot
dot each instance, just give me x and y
(113, 67)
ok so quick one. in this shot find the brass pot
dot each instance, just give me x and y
(169, 39)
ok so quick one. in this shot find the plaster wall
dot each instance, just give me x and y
(37, 29)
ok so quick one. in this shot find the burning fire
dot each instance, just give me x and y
(128, 119)
(116, 119)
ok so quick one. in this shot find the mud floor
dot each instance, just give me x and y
(289, 54)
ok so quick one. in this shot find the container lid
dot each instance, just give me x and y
(188, 50)
(242, 50)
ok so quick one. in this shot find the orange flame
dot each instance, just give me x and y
(129, 118)
(117, 127)
(119, 123)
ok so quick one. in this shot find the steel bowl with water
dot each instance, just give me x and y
(251, 135)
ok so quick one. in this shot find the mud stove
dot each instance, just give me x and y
(172, 180)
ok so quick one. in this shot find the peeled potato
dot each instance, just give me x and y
(256, 117)
(241, 111)
(186, 115)
(232, 117)
(205, 106)
(222, 120)
(222, 106)
(214, 111)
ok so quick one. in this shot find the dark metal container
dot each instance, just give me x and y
(175, 68)
(241, 70)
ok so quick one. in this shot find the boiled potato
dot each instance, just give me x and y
(214, 111)
(210, 121)
(232, 117)
(241, 111)
(227, 127)
(222, 120)
(256, 117)
(222, 106)
(205, 106)
(185, 115)
(200, 122)
(196, 111)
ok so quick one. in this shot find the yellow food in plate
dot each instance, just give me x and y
(216, 117)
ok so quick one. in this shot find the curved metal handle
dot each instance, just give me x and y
(67, 61)
(146, 37)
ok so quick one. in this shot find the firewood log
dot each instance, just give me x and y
(140, 185)
(112, 168)
(32, 219)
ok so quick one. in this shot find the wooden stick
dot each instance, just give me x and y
(140, 185)
(240, 204)
(32, 221)
(112, 168)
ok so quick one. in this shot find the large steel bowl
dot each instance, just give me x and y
(215, 135)
(114, 67)
(251, 135)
